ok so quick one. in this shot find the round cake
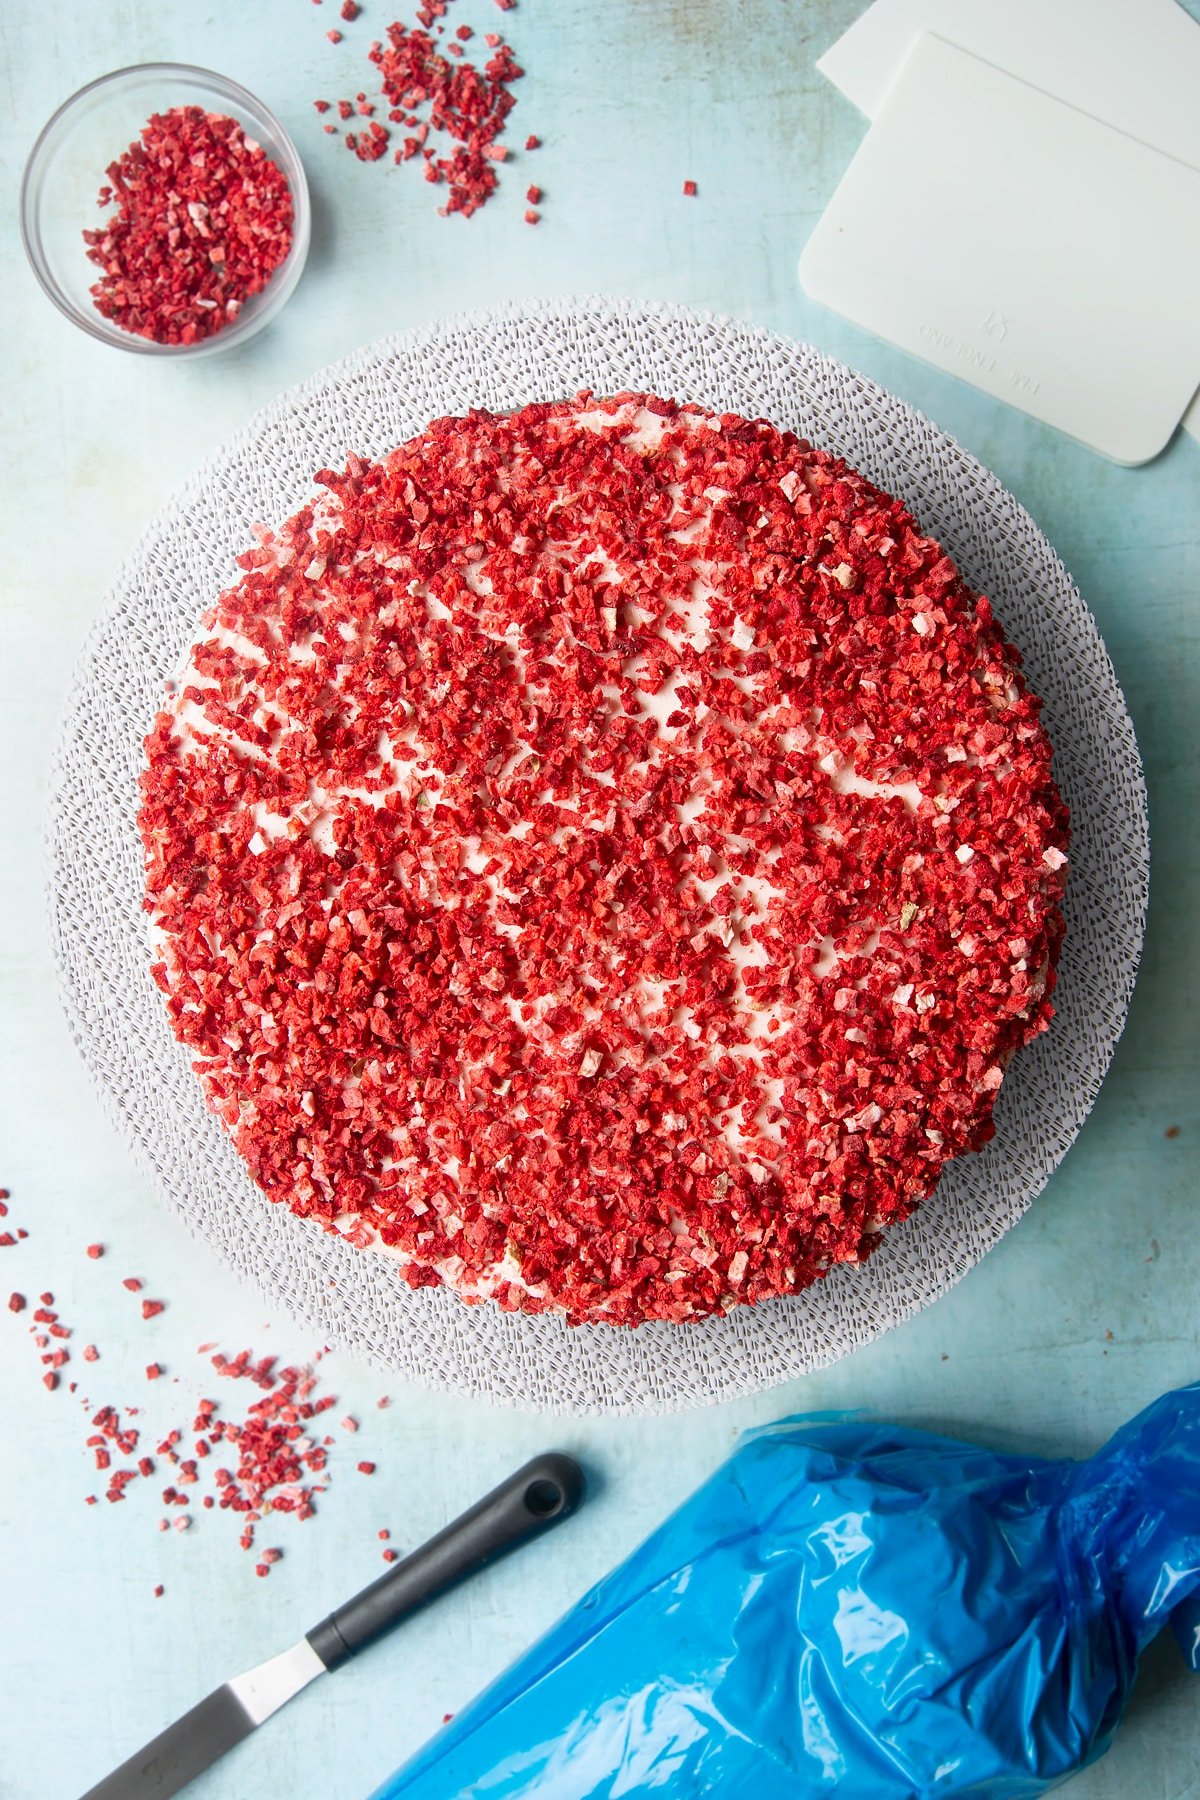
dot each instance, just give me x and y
(603, 857)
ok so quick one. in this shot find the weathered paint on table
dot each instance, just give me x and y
(1087, 1310)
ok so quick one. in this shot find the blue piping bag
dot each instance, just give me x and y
(856, 1608)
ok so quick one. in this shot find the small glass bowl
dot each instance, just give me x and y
(66, 170)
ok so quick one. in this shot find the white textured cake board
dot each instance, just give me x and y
(365, 405)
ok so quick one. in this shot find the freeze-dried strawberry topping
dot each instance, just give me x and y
(203, 220)
(605, 855)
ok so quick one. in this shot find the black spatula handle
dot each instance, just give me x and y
(546, 1490)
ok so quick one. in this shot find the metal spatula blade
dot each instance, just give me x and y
(221, 1720)
(541, 1493)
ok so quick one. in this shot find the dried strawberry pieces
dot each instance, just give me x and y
(203, 220)
(605, 856)
(468, 104)
(426, 92)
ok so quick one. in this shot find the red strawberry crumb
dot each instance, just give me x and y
(95, 1250)
(50, 1380)
(321, 106)
(533, 195)
(467, 108)
(90, 1353)
(349, 1424)
(153, 1371)
(159, 1591)
(152, 1308)
(203, 219)
(133, 1284)
(366, 1468)
(532, 142)
(389, 1556)
(532, 216)
(689, 188)
(335, 37)
(261, 1569)
(350, 11)
(16, 1303)
(385, 1534)
(7, 1240)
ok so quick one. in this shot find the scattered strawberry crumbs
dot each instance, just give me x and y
(464, 105)
(270, 1458)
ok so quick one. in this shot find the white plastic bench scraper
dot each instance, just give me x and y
(1133, 63)
(1011, 239)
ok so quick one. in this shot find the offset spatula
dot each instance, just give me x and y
(546, 1490)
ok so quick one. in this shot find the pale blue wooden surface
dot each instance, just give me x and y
(631, 97)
